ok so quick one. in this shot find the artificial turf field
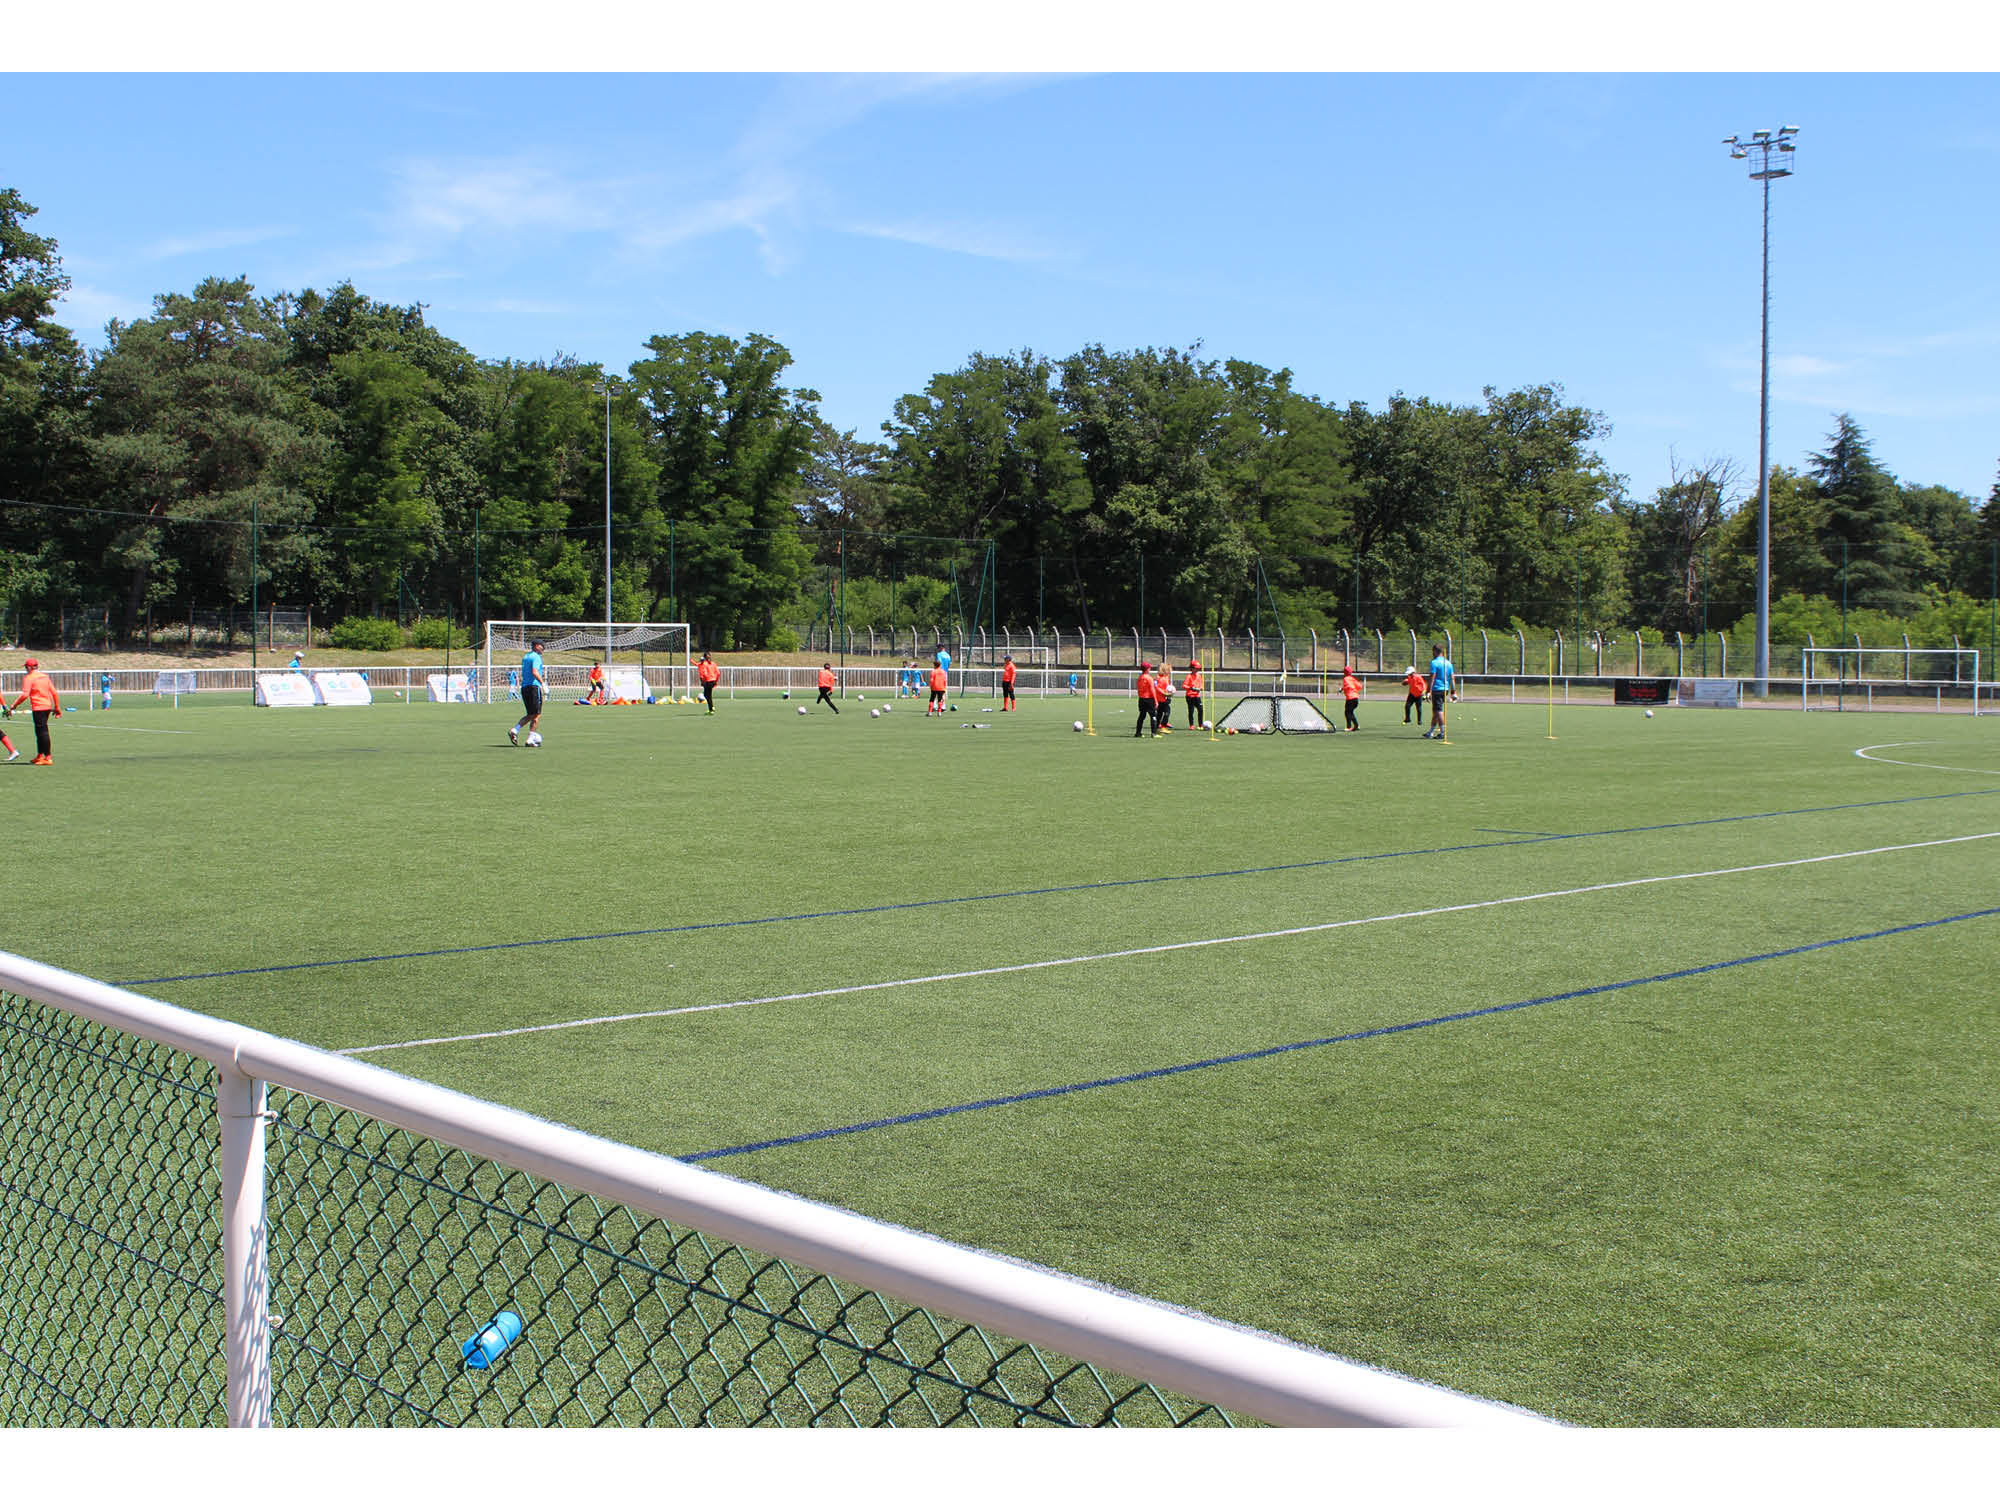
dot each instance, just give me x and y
(1710, 1180)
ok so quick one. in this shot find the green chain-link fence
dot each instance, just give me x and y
(389, 1250)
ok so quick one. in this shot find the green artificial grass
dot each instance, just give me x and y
(1758, 1194)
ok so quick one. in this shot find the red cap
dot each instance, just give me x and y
(30, 665)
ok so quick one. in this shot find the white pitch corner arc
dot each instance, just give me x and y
(1866, 752)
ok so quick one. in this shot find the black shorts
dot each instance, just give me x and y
(1438, 696)
(531, 699)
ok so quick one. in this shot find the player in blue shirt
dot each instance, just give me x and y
(1444, 687)
(533, 681)
(104, 687)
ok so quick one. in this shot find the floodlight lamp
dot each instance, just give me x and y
(1786, 146)
(1738, 154)
(1788, 130)
(1761, 135)
(1729, 141)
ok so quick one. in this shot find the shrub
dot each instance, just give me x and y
(361, 633)
(782, 638)
(437, 633)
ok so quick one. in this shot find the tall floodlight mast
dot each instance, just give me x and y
(1770, 154)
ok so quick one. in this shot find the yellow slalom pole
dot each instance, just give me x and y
(1552, 690)
(1089, 694)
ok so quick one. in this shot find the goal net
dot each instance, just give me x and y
(1268, 713)
(1835, 678)
(657, 650)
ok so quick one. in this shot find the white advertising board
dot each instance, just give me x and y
(455, 688)
(342, 689)
(626, 682)
(285, 690)
(1709, 692)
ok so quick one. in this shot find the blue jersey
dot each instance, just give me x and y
(531, 669)
(944, 660)
(1441, 674)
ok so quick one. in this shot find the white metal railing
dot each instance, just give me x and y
(1233, 1368)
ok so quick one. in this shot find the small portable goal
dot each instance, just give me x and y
(1275, 713)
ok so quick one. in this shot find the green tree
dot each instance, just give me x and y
(731, 447)
(196, 428)
(1798, 558)
(1669, 540)
(43, 462)
(1946, 554)
(1870, 546)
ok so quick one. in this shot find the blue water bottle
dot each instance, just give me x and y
(487, 1345)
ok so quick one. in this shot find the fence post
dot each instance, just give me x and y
(1521, 641)
(1680, 655)
(1252, 636)
(1722, 653)
(1597, 653)
(1638, 653)
(239, 1101)
(1413, 646)
(1906, 657)
(1556, 644)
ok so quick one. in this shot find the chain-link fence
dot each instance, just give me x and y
(371, 1274)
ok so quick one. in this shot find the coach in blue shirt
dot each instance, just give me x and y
(1443, 687)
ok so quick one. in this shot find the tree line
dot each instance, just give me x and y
(350, 457)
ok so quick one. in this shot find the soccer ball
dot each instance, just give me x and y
(1077, 726)
(1229, 731)
(1206, 725)
(786, 693)
(887, 706)
(651, 699)
(954, 708)
(858, 697)
(802, 710)
(1649, 713)
(535, 740)
(874, 713)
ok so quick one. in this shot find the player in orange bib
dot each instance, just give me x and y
(710, 674)
(826, 682)
(1191, 686)
(1007, 703)
(1417, 685)
(940, 680)
(1350, 691)
(38, 691)
(1149, 713)
(596, 693)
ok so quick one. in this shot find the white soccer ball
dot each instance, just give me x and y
(858, 697)
(887, 706)
(1206, 725)
(534, 740)
(1649, 713)
(802, 710)
(1077, 726)
(874, 713)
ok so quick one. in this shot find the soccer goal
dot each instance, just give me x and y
(1275, 713)
(1838, 678)
(659, 649)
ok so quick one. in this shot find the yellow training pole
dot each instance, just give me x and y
(1089, 694)
(1552, 690)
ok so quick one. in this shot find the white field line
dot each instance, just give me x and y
(1922, 765)
(1091, 958)
(123, 729)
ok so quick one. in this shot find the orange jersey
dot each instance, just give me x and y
(939, 681)
(1416, 682)
(1146, 689)
(708, 671)
(1350, 685)
(825, 678)
(1163, 688)
(1007, 672)
(1192, 686)
(597, 674)
(40, 690)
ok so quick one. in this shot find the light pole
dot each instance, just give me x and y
(605, 386)
(1770, 155)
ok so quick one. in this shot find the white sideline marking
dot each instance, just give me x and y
(122, 729)
(1922, 765)
(1091, 958)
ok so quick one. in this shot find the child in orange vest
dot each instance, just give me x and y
(1350, 690)
(1149, 710)
(38, 691)
(1417, 685)
(710, 674)
(826, 681)
(1192, 687)
(940, 680)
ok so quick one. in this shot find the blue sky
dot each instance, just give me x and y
(1374, 232)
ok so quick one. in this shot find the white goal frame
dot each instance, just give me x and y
(669, 642)
(1830, 675)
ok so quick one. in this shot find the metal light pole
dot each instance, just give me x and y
(605, 386)
(1764, 165)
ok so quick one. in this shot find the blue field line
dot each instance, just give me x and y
(1047, 890)
(1324, 1041)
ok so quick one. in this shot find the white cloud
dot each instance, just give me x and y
(988, 241)
(84, 310)
(219, 239)
(1805, 366)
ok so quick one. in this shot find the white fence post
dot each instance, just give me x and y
(239, 1102)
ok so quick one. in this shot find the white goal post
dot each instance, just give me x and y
(1840, 677)
(660, 648)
